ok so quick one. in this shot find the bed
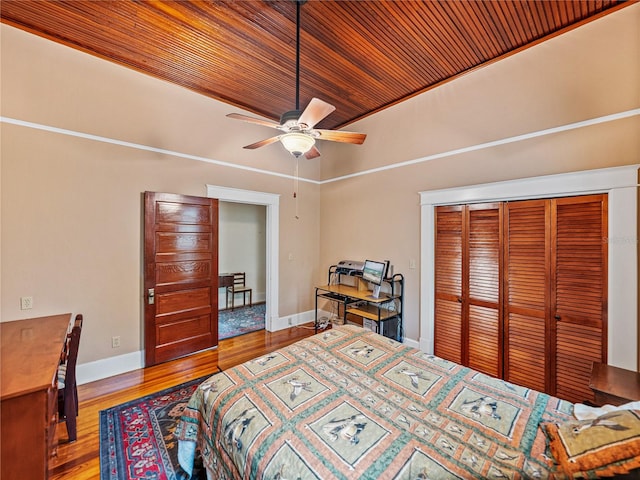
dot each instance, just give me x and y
(349, 403)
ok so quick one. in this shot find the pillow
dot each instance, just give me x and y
(586, 412)
(62, 375)
(609, 443)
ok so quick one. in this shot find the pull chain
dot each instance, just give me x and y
(295, 188)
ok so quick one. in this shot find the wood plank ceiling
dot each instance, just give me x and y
(361, 56)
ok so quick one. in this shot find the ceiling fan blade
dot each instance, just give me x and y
(313, 153)
(262, 143)
(258, 121)
(339, 136)
(315, 111)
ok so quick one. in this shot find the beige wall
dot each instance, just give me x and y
(242, 246)
(71, 206)
(588, 73)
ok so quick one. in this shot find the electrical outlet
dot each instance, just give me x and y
(412, 263)
(26, 303)
(115, 342)
(289, 321)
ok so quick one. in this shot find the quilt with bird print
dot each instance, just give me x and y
(351, 404)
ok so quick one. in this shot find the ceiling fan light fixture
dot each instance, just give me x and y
(297, 143)
(300, 135)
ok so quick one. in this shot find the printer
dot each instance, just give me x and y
(349, 267)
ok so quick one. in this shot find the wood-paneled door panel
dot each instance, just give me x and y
(448, 328)
(448, 283)
(579, 292)
(467, 294)
(482, 284)
(527, 289)
(181, 275)
(521, 290)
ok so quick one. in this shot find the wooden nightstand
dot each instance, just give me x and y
(613, 385)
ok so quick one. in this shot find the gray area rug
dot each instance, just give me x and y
(239, 321)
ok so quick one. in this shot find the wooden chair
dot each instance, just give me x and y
(239, 286)
(67, 387)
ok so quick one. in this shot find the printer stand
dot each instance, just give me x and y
(385, 311)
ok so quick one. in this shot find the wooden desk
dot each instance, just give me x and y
(359, 301)
(29, 361)
(225, 280)
(613, 385)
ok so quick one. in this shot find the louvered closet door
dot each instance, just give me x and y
(448, 283)
(482, 302)
(527, 277)
(579, 271)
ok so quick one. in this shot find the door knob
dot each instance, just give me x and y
(151, 296)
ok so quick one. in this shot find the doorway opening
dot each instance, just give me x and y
(271, 202)
(241, 267)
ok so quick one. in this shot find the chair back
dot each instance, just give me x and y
(73, 346)
(239, 279)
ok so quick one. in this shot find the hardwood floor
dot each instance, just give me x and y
(80, 460)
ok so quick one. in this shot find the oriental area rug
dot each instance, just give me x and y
(239, 321)
(136, 438)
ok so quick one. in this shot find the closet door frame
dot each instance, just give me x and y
(621, 185)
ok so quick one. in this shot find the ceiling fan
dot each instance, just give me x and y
(299, 135)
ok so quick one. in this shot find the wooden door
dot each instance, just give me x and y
(468, 302)
(181, 275)
(448, 283)
(522, 295)
(527, 292)
(482, 287)
(579, 292)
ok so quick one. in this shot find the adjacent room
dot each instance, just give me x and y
(410, 227)
(242, 252)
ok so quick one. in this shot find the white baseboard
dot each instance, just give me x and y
(294, 319)
(411, 343)
(108, 367)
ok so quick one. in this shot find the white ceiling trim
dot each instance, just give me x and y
(450, 153)
(495, 143)
(139, 146)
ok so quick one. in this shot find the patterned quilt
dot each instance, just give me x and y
(351, 404)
